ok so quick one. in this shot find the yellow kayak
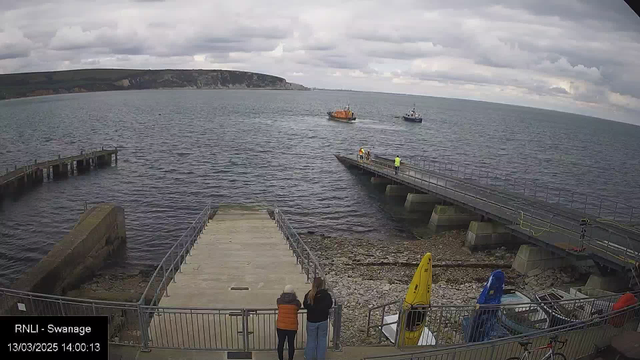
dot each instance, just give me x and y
(419, 293)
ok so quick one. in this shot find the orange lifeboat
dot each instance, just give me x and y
(345, 115)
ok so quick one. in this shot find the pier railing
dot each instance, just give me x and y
(612, 240)
(448, 325)
(583, 338)
(175, 258)
(587, 204)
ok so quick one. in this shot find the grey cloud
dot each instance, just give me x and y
(612, 15)
(13, 51)
(13, 45)
(558, 90)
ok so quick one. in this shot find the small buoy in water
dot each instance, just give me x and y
(159, 114)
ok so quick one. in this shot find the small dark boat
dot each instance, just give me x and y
(520, 315)
(563, 308)
(345, 115)
(412, 116)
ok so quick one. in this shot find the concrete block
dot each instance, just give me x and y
(483, 235)
(607, 283)
(83, 250)
(584, 291)
(450, 216)
(421, 202)
(531, 257)
(397, 190)
(381, 180)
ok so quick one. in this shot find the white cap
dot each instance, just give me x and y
(289, 289)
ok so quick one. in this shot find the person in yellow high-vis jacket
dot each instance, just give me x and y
(397, 164)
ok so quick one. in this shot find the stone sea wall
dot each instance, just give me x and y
(98, 233)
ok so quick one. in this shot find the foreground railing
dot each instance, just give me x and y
(175, 257)
(447, 325)
(222, 329)
(583, 339)
(163, 327)
(125, 322)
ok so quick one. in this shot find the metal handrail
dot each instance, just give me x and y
(171, 264)
(299, 247)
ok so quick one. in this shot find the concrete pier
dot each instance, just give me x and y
(483, 235)
(421, 202)
(240, 261)
(397, 190)
(20, 179)
(451, 216)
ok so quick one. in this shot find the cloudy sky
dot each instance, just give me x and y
(579, 56)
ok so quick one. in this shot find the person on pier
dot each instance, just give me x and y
(287, 323)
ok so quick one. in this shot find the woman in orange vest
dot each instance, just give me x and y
(287, 324)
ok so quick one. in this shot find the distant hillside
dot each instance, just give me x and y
(74, 81)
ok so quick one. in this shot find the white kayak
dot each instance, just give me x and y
(389, 331)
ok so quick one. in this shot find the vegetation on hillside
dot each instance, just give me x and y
(62, 82)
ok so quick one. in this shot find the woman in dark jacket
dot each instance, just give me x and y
(287, 324)
(317, 301)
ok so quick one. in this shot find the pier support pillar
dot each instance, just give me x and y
(451, 217)
(103, 160)
(484, 235)
(39, 176)
(381, 180)
(60, 170)
(607, 283)
(83, 165)
(397, 190)
(531, 257)
(421, 202)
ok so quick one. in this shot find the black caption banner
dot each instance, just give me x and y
(54, 337)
